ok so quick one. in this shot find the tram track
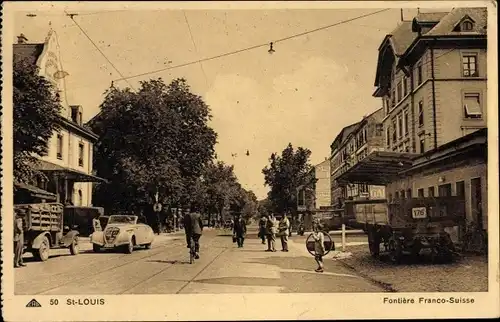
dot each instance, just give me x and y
(129, 262)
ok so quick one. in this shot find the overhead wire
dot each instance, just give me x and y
(253, 47)
(98, 49)
(195, 47)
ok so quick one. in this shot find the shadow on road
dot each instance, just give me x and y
(173, 262)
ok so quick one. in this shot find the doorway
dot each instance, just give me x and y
(476, 201)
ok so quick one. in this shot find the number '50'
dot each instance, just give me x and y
(54, 302)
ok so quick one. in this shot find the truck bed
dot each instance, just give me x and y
(42, 216)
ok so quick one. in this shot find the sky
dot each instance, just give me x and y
(304, 93)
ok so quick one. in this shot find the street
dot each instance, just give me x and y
(165, 269)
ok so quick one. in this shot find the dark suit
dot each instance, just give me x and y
(193, 227)
(240, 230)
(18, 242)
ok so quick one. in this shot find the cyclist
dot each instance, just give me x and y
(193, 228)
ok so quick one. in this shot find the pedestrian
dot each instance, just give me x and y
(240, 230)
(319, 246)
(271, 234)
(262, 228)
(19, 239)
(193, 228)
(284, 227)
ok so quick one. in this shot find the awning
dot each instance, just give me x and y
(35, 191)
(378, 168)
(68, 173)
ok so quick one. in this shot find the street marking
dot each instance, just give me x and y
(288, 270)
(33, 303)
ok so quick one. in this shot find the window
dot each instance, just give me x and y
(408, 193)
(400, 125)
(444, 190)
(419, 74)
(405, 122)
(420, 113)
(422, 144)
(420, 193)
(460, 189)
(396, 195)
(59, 146)
(403, 194)
(393, 98)
(472, 106)
(467, 25)
(80, 154)
(394, 134)
(431, 191)
(80, 198)
(405, 86)
(400, 91)
(388, 137)
(469, 65)
(390, 197)
(76, 114)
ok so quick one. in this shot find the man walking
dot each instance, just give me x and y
(284, 226)
(271, 234)
(18, 240)
(240, 230)
(262, 229)
(193, 228)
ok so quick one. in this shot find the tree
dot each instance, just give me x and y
(156, 140)
(36, 113)
(284, 175)
(221, 187)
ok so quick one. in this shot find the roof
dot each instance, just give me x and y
(402, 37)
(78, 176)
(344, 133)
(430, 16)
(35, 191)
(28, 51)
(448, 22)
(378, 168)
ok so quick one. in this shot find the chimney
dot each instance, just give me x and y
(21, 39)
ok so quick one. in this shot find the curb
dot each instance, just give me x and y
(387, 287)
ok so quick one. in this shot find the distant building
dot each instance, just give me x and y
(68, 163)
(358, 140)
(322, 186)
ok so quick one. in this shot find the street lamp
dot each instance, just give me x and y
(271, 50)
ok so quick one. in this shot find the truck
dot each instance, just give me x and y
(44, 229)
(408, 226)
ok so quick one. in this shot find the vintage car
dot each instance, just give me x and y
(122, 231)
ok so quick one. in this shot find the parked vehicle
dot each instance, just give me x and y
(409, 225)
(81, 218)
(44, 229)
(122, 232)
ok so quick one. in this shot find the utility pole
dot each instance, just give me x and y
(402, 17)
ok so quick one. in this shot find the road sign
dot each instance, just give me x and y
(157, 207)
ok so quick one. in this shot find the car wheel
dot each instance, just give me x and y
(96, 248)
(74, 248)
(42, 253)
(129, 248)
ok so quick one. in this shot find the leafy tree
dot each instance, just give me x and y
(284, 175)
(221, 187)
(36, 113)
(156, 140)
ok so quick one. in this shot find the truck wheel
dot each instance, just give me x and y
(42, 253)
(96, 248)
(74, 248)
(395, 251)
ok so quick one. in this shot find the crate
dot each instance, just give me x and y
(42, 216)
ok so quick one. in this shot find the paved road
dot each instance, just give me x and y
(164, 269)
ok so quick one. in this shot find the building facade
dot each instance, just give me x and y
(68, 163)
(358, 141)
(431, 76)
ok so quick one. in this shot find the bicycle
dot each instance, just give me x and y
(192, 252)
(475, 239)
